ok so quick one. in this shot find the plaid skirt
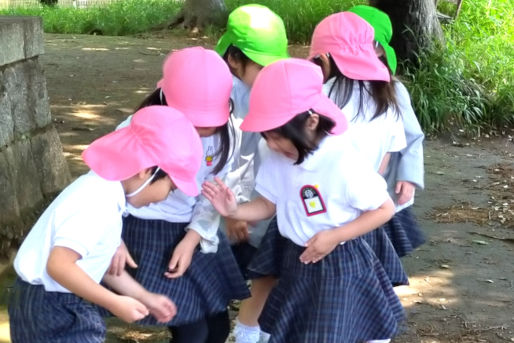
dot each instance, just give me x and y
(404, 232)
(345, 297)
(206, 288)
(38, 316)
(267, 259)
(384, 250)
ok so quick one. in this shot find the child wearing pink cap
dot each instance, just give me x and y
(332, 288)
(405, 169)
(175, 242)
(66, 254)
(360, 84)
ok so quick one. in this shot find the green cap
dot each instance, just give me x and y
(258, 32)
(383, 30)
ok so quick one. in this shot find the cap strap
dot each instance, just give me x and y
(140, 188)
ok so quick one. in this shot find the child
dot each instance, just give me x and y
(255, 37)
(359, 83)
(163, 238)
(65, 255)
(405, 169)
(331, 288)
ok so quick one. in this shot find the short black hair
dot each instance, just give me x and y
(238, 55)
(294, 130)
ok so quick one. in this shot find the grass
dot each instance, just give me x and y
(469, 81)
(466, 82)
(115, 19)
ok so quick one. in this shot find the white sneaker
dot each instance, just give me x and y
(264, 337)
(246, 334)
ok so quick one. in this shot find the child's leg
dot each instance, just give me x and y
(247, 325)
(219, 327)
(192, 332)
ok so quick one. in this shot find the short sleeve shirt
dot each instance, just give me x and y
(87, 218)
(332, 187)
(372, 137)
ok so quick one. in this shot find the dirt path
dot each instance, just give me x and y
(461, 281)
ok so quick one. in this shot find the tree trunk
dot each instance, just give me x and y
(197, 14)
(415, 25)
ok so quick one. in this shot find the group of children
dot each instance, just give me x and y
(307, 170)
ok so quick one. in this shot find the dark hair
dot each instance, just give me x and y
(238, 55)
(294, 130)
(225, 132)
(381, 92)
(160, 174)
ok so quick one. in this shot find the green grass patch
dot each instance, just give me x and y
(115, 19)
(469, 82)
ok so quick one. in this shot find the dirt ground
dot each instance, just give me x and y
(461, 281)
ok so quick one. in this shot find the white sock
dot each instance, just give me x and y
(264, 337)
(246, 334)
(380, 341)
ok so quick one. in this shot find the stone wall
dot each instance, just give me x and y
(32, 166)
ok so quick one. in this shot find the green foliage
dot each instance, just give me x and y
(300, 16)
(469, 82)
(117, 18)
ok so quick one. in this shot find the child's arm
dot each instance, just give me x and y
(160, 306)
(225, 203)
(322, 243)
(62, 267)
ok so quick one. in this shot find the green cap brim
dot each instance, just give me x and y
(223, 44)
(390, 55)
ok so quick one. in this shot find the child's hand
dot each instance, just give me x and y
(319, 246)
(160, 307)
(404, 191)
(182, 255)
(120, 258)
(220, 196)
(237, 230)
(128, 309)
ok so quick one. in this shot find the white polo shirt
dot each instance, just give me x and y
(87, 218)
(373, 138)
(333, 186)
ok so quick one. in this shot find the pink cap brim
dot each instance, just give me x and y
(255, 122)
(123, 153)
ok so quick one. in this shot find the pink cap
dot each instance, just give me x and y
(198, 82)
(349, 40)
(286, 88)
(156, 136)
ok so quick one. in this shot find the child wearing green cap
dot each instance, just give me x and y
(405, 170)
(255, 37)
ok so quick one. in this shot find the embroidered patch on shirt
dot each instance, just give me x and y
(209, 156)
(312, 200)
